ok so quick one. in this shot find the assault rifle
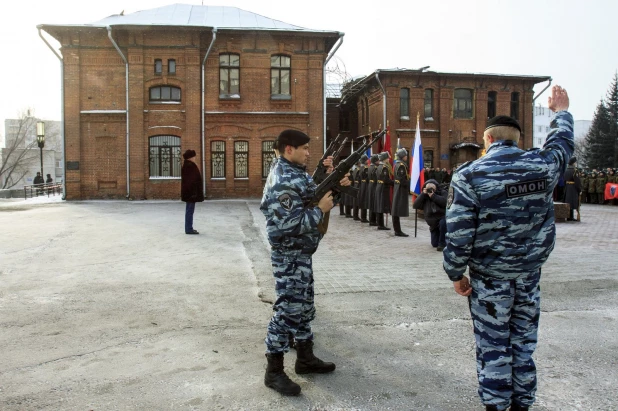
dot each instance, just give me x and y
(331, 182)
(334, 148)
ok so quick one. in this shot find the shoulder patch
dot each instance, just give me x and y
(286, 201)
(525, 188)
(449, 198)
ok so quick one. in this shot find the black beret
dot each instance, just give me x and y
(572, 161)
(502, 121)
(189, 154)
(293, 138)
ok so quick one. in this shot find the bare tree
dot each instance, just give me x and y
(18, 155)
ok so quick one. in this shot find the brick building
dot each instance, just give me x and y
(140, 89)
(453, 109)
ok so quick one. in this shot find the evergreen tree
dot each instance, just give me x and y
(612, 109)
(599, 147)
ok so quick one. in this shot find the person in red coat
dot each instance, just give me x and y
(191, 190)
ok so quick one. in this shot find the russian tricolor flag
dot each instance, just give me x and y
(417, 175)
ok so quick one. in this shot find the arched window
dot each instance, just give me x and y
(429, 104)
(217, 159)
(165, 94)
(241, 159)
(229, 75)
(268, 155)
(404, 103)
(462, 103)
(280, 76)
(515, 105)
(164, 156)
(492, 97)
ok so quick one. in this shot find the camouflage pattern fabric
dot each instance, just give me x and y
(506, 319)
(500, 224)
(292, 229)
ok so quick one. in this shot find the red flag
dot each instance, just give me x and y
(611, 191)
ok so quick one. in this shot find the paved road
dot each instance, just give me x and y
(110, 306)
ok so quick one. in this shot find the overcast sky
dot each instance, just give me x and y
(574, 42)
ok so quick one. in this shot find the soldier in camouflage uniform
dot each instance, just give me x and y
(592, 187)
(584, 180)
(292, 228)
(600, 187)
(500, 224)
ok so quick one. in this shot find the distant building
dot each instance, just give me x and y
(219, 80)
(542, 119)
(453, 109)
(581, 128)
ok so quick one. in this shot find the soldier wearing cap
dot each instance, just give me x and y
(600, 187)
(573, 188)
(371, 190)
(500, 225)
(363, 175)
(383, 189)
(401, 197)
(292, 228)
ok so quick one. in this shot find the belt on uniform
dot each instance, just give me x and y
(372, 181)
(570, 182)
(380, 182)
(363, 181)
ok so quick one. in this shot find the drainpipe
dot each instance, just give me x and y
(383, 100)
(214, 37)
(126, 65)
(330, 55)
(64, 172)
(533, 100)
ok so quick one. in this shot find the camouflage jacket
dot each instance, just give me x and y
(292, 227)
(500, 213)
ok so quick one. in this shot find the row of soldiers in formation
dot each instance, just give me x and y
(375, 182)
(593, 184)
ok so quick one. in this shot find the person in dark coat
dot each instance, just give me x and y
(573, 188)
(383, 189)
(401, 194)
(433, 203)
(191, 189)
(371, 190)
(356, 180)
(362, 194)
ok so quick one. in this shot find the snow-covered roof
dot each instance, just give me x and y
(189, 15)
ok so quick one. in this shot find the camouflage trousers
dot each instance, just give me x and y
(293, 309)
(506, 319)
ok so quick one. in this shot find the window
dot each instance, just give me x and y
(165, 94)
(428, 158)
(344, 121)
(164, 156)
(217, 159)
(280, 76)
(429, 104)
(171, 67)
(268, 155)
(229, 76)
(515, 105)
(241, 159)
(492, 96)
(404, 103)
(462, 104)
(158, 66)
(547, 129)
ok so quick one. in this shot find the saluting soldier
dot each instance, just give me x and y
(383, 189)
(371, 190)
(362, 194)
(401, 199)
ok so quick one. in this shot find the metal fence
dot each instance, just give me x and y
(35, 190)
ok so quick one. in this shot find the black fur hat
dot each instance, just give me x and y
(189, 154)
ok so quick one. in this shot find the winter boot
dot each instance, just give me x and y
(307, 363)
(517, 407)
(276, 378)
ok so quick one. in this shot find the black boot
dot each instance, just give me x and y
(292, 340)
(491, 408)
(307, 363)
(276, 378)
(517, 407)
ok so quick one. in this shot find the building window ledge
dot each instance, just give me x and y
(404, 118)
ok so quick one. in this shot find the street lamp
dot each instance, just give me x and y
(40, 138)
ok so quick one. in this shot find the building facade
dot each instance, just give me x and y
(542, 120)
(453, 109)
(141, 89)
